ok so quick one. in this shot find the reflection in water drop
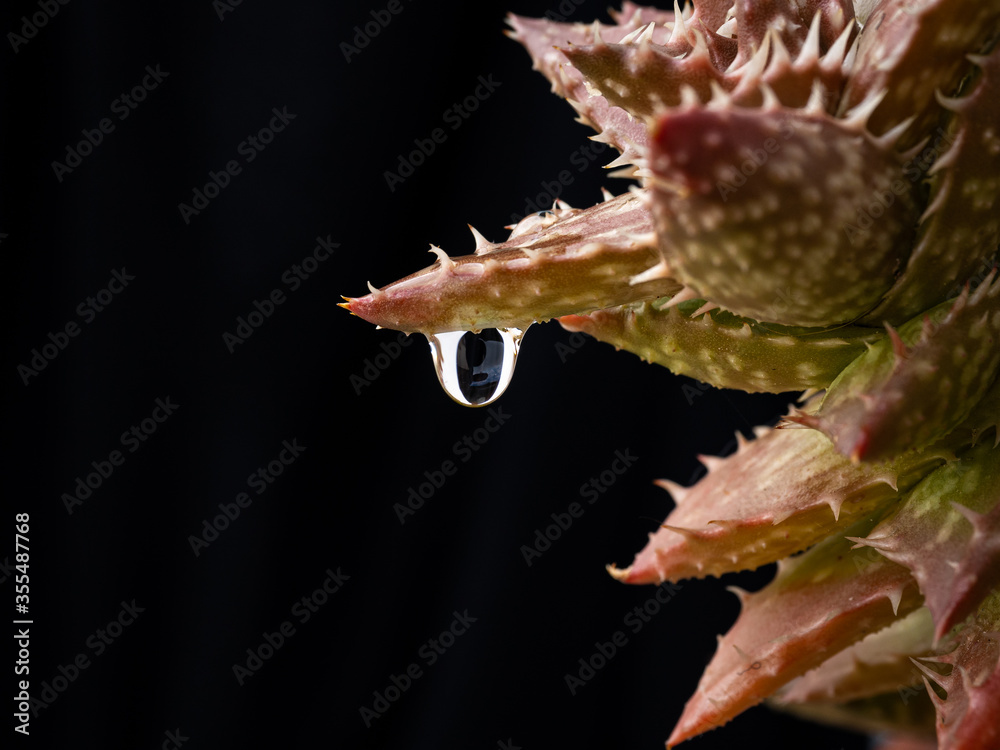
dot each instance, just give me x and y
(475, 368)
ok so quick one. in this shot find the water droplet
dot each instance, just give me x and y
(475, 368)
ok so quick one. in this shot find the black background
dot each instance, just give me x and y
(570, 407)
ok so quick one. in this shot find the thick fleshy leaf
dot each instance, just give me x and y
(960, 230)
(914, 388)
(567, 261)
(947, 532)
(754, 20)
(880, 663)
(725, 350)
(780, 215)
(818, 604)
(541, 37)
(775, 496)
(894, 48)
(967, 718)
(642, 77)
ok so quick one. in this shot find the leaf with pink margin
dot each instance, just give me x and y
(567, 261)
(541, 36)
(817, 605)
(775, 496)
(947, 532)
(880, 663)
(967, 718)
(913, 389)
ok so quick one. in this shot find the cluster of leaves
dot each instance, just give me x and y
(817, 210)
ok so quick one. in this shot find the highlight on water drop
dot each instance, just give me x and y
(475, 368)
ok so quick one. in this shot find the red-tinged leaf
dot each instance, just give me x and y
(911, 390)
(790, 22)
(947, 532)
(960, 230)
(898, 40)
(571, 261)
(775, 214)
(967, 718)
(541, 37)
(880, 663)
(818, 604)
(775, 496)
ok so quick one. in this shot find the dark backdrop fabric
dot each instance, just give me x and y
(176, 591)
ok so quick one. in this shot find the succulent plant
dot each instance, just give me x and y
(817, 211)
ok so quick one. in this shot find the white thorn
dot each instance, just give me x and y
(647, 34)
(442, 256)
(682, 296)
(679, 32)
(816, 104)
(677, 492)
(857, 117)
(689, 97)
(596, 30)
(779, 58)
(482, 244)
(660, 271)
(374, 290)
(847, 63)
(639, 34)
(890, 137)
(771, 101)
(810, 50)
(707, 307)
(754, 67)
(720, 97)
(952, 104)
(606, 195)
(895, 598)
